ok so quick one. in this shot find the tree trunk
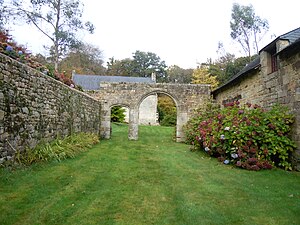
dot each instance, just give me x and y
(56, 52)
(56, 56)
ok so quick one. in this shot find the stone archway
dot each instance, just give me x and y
(187, 98)
(179, 118)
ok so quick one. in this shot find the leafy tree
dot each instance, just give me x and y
(143, 64)
(166, 108)
(58, 20)
(247, 28)
(227, 65)
(146, 63)
(175, 74)
(201, 75)
(86, 59)
(117, 114)
(119, 67)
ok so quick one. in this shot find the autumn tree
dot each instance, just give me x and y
(247, 28)
(85, 59)
(58, 20)
(201, 75)
(176, 74)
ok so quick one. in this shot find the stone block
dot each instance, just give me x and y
(2, 114)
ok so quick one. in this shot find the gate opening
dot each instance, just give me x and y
(167, 111)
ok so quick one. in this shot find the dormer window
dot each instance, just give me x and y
(270, 59)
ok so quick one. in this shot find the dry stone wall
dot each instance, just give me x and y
(35, 107)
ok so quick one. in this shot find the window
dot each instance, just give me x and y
(274, 63)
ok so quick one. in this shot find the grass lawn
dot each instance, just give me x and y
(150, 181)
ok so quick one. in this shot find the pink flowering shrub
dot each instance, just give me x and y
(245, 136)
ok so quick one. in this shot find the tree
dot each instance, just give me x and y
(2, 15)
(175, 74)
(143, 64)
(166, 108)
(58, 20)
(247, 28)
(86, 59)
(146, 63)
(226, 66)
(117, 114)
(201, 75)
(119, 67)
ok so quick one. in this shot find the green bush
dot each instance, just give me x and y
(118, 114)
(248, 137)
(58, 149)
(169, 120)
(166, 109)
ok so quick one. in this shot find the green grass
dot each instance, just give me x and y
(150, 181)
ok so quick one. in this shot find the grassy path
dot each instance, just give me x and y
(150, 181)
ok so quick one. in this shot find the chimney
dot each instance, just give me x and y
(153, 77)
(73, 73)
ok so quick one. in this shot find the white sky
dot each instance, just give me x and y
(181, 32)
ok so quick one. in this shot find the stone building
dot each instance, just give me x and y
(148, 109)
(273, 77)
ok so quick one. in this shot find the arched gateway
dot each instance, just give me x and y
(187, 98)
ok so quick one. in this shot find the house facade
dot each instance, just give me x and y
(273, 77)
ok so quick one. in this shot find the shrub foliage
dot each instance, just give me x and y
(58, 149)
(117, 114)
(167, 111)
(245, 136)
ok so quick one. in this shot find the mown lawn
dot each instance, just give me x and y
(150, 181)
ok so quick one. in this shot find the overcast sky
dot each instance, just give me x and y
(181, 32)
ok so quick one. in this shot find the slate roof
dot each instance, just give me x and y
(292, 36)
(92, 82)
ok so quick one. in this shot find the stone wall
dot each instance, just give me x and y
(148, 114)
(148, 111)
(34, 106)
(246, 89)
(288, 92)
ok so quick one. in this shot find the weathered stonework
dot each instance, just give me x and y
(187, 98)
(35, 107)
(148, 114)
